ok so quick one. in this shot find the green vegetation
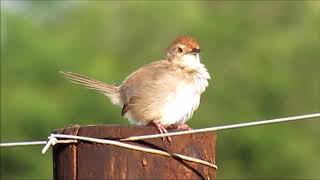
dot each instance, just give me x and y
(264, 58)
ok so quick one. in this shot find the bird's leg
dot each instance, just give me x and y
(161, 128)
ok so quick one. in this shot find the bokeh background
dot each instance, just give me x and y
(264, 58)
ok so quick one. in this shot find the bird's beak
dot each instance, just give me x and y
(194, 51)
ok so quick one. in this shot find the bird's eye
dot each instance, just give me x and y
(180, 50)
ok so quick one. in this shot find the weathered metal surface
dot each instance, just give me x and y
(65, 157)
(99, 161)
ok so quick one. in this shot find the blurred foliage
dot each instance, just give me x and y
(263, 56)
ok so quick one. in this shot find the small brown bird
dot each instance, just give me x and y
(164, 93)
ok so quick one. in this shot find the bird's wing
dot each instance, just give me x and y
(146, 89)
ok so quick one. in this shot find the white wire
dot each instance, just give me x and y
(218, 128)
(71, 139)
(30, 143)
(23, 143)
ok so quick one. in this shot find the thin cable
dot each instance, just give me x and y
(30, 143)
(218, 128)
(23, 143)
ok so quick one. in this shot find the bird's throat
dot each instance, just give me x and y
(191, 61)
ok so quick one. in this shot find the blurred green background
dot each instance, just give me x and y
(264, 58)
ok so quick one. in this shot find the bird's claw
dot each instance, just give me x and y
(180, 127)
(184, 127)
(162, 129)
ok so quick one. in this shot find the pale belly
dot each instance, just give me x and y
(179, 106)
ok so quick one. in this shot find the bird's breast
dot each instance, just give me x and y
(180, 105)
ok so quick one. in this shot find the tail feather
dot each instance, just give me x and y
(109, 90)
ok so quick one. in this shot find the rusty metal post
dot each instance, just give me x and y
(87, 160)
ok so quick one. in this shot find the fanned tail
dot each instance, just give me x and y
(109, 90)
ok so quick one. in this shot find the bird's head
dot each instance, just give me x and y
(184, 50)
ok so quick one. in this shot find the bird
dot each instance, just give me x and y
(164, 93)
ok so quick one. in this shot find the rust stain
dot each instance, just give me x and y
(206, 173)
(207, 177)
(205, 153)
(112, 164)
(144, 162)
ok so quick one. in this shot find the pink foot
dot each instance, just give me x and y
(161, 128)
(184, 127)
(180, 127)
